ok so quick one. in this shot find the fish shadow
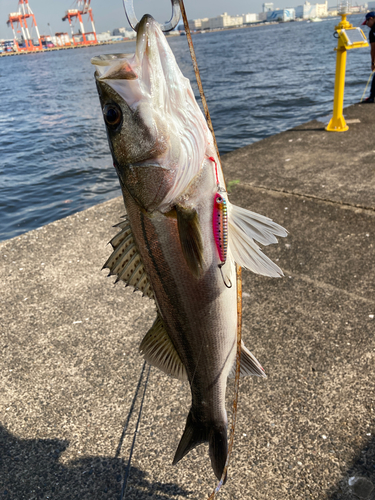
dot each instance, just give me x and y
(30, 469)
(362, 468)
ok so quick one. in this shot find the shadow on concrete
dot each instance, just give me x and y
(30, 469)
(363, 469)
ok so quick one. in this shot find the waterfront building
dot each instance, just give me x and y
(332, 11)
(119, 32)
(322, 9)
(61, 39)
(267, 7)
(196, 24)
(122, 32)
(281, 15)
(310, 10)
(104, 37)
(249, 18)
(222, 21)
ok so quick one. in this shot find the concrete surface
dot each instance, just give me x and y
(69, 342)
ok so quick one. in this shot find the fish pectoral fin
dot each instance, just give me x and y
(244, 227)
(158, 351)
(125, 261)
(197, 432)
(190, 234)
(249, 365)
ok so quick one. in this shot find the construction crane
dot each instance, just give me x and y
(88, 37)
(18, 22)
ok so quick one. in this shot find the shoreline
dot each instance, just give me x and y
(215, 30)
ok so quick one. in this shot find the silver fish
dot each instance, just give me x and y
(169, 174)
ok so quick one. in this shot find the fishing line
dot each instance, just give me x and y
(368, 81)
(198, 76)
(127, 470)
(130, 412)
(238, 268)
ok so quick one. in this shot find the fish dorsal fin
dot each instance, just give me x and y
(244, 228)
(158, 350)
(189, 231)
(125, 261)
(249, 365)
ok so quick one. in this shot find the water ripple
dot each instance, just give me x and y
(258, 82)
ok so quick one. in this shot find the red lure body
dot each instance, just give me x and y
(220, 226)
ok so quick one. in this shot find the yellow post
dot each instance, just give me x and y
(337, 122)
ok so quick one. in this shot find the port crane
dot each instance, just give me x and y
(82, 38)
(18, 22)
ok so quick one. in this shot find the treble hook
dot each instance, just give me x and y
(222, 275)
(169, 26)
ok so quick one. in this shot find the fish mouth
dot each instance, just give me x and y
(123, 66)
(114, 67)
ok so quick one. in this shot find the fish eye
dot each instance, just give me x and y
(112, 114)
(219, 199)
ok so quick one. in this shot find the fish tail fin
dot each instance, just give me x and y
(218, 446)
(197, 432)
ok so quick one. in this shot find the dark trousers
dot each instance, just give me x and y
(372, 92)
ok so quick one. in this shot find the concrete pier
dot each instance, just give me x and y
(69, 344)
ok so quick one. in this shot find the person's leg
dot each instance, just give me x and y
(372, 91)
(371, 98)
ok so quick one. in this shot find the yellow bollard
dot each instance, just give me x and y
(337, 122)
(348, 38)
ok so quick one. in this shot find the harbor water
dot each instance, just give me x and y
(258, 81)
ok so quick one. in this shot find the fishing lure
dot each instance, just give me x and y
(220, 224)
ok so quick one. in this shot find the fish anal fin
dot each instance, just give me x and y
(190, 238)
(158, 351)
(249, 365)
(196, 433)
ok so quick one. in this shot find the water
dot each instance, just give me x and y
(54, 153)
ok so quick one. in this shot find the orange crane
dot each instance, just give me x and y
(88, 37)
(18, 22)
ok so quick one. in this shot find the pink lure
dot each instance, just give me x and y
(220, 226)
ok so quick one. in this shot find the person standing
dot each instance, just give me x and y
(370, 22)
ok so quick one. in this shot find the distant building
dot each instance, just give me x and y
(121, 32)
(262, 16)
(281, 15)
(196, 24)
(249, 18)
(237, 20)
(332, 11)
(104, 37)
(267, 7)
(61, 39)
(306, 10)
(322, 9)
(222, 21)
(309, 10)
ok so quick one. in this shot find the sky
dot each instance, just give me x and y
(109, 14)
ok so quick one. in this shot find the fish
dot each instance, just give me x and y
(181, 238)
